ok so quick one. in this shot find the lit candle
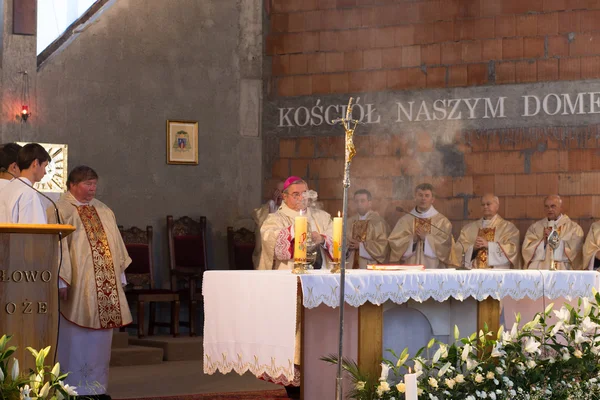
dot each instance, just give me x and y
(300, 227)
(337, 238)
(410, 382)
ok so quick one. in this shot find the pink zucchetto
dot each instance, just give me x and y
(289, 181)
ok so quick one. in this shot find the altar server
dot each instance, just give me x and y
(9, 168)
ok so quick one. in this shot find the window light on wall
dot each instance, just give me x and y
(55, 16)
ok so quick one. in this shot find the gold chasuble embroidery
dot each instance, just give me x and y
(359, 232)
(423, 223)
(482, 255)
(109, 308)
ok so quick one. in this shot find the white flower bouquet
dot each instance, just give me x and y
(556, 356)
(43, 383)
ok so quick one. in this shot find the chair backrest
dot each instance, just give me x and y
(187, 243)
(240, 244)
(140, 272)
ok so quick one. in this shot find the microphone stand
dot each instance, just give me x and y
(463, 261)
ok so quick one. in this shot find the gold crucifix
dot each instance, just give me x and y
(349, 127)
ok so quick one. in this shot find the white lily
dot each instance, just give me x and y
(586, 306)
(443, 370)
(588, 326)
(25, 390)
(385, 370)
(577, 353)
(531, 346)
(1, 375)
(556, 329)
(497, 350)
(471, 364)
(441, 352)
(45, 389)
(56, 370)
(579, 338)
(15, 370)
(465, 352)
(563, 314)
(382, 388)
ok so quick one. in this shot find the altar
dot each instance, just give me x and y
(253, 318)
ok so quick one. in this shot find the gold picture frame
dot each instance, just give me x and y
(182, 142)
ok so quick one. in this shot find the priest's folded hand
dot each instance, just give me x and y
(317, 238)
(353, 244)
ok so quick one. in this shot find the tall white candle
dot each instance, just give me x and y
(410, 382)
(337, 238)
(300, 227)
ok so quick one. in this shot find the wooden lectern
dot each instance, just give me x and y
(29, 257)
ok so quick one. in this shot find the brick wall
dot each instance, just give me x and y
(352, 46)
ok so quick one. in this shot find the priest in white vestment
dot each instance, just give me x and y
(490, 242)
(9, 167)
(19, 202)
(92, 299)
(367, 233)
(423, 236)
(591, 248)
(260, 215)
(277, 231)
(538, 253)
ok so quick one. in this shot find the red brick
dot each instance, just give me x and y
(274, 44)
(451, 208)
(287, 148)
(547, 70)
(451, 53)
(512, 48)
(505, 26)
(590, 182)
(367, 80)
(296, 22)
(457, 75)
(279, 23)
(526, 25)
(581, 206)
(281, 65)
(321, 84)
(516, 207)
(558, 46)
(316, 63)
(504, 185)
(490, 7)
(397, 79)
(328, 146)
(285, 86)
(299, 166)
(590, 68)
(535, 207)
(404, 35)
(332, 20)
(334, 62)
(280, 168)
(491, 49)
(590, 20)
(547, 24)
(462, 185)
(555, 5)
(380, 188)
(483, 184)
(432, 10)
(382, 37)
(442, 186)
(436, 77)
(431, 54)
(326, 168)
(548, 161)
(581, 159)
(424, 33)
(328, 41)
(522, 6)
(302, 85)
(391, 58)
(471, 51)
(326, 4)
(533, 47)
(525, 184)
(292, 43)
(547, 184)
(372, 59)
(569, 22)
(479, 28)
(569, 184)
(505, 72)
(352, 18)
(477, 74)
(298, 64)
(411, 56)
(443, 31)
(345, 3)
(526, 71)
(310, 42)
(569, 68)
(353, 60)
(330, 189)
(339, 83)
(313, 21)
(368, 167)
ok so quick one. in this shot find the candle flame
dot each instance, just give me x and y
(339, 214)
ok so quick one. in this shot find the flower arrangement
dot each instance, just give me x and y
(43, 383)
(554, 356)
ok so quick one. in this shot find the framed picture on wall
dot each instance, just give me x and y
(182, 142)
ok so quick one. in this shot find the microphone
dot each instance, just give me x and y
(463, 264)
(2, 169)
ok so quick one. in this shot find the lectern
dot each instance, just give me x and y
(29, 269)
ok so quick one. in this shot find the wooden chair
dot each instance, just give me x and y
(240, 246)
(140, 277)
(187, 261)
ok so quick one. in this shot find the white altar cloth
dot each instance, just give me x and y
(250, 316)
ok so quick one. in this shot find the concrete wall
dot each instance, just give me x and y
(109, 92)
